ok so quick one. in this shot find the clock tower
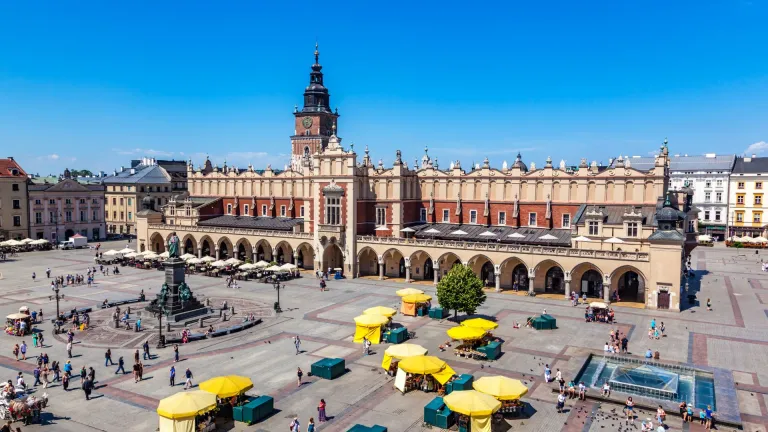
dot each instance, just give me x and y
(315, 122)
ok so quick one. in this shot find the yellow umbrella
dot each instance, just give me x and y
(465, 333)
(501, 387)
(400, 352)
(408, 291)
(422, 365)
(417, 298)
(371, 320)
(227, 386)
(480, 323)
(380, 310)
(472, 403)
(186, 404)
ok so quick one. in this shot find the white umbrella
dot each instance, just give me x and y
(488, 234)
(233, 261)
(458, 232)
(165, 254)
(194, 261)
(112, 252)
(261, 264)
(247, 266)
(218, 263)
(273, 269)
(208, 259)
(547, 237)
(516, 235)
(150, 256)
(407, 230)
(131, 255)
(27, 241)
(431, 231)
(381, 228)
(126, 250)
(40, 242)
(613, 240)
(761, 239)
(13, 243)
(288, 266)
(187, 256)
(598, 305)
(582, 239)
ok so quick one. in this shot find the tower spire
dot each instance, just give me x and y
(317, 54)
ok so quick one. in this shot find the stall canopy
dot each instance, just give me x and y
(427, 365)
(218, 263)
(208, 259)
(408, 307)
(478, 406)
(400, 352)
(165, 254)
(598, 305)
(16, 316)
(369, 327)
(186, 404)
(466, 333)
(261, 264)
(501, 387)
(408, 291)
(480, 323)
(227, 386)
(187, 256)
(380, 310)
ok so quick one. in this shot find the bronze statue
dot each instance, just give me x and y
(173, 246)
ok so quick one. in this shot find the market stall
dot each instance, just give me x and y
(408, 291)
(185, 412)
(227, 386)
(18, 324)
(394, 354)
(475, 343)
(474, 409)
(480, 323)
(506, 390)
(427, 373)
(369, 327)
(415, 305)
(380, 310)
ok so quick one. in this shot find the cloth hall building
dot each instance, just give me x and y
(548, 228)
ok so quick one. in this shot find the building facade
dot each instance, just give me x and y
(746, 215)
(126, 188)
(57, 211)
(14, 219)
(596, 230)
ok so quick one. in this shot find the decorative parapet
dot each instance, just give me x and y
(511, 248)
(236, 231)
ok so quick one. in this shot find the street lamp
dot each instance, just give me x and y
(57, 297)
(277, 286)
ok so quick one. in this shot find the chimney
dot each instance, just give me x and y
(122, 168)
(10, 157)
(133, 171)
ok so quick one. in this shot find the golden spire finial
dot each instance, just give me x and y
(317, 54)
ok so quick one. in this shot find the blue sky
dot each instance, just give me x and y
(92, 85)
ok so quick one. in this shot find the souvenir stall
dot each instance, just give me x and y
(188, 411)
(395, 353)
(415, 305)
(426, 373)
(369, 327)
(473, 409)
(472, 339)
(506, 390)
(18, 324)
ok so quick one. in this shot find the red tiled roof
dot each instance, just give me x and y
(5, 168)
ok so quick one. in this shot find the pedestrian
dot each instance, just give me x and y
(56, 371)
(87, 387)
(629, 408)
(33, 276)
(710, 416)
(136, 372)
(36, 373)
(175, 352)
(662, 328)
(120, 366)
(146, 355)
(547, 373)
(40, 340)
(83, 373)
(321, 411)
(23, 350)
(295, 425)
(560, 402)
(188, 376)
(582, 391)
(16, 351)
(48, 272)
(44, 374)
(68, 369)
(173, 376)
(624, 344)
(141, 371)
(65, 382)
(559, 375)
(661, 415)
(34, 340)
(311, 425)
(108, 358)
(653, 323)
(299, 374)
(136, 356)
(297, 343)
(709, 304)
(92, 374)
(69, 349)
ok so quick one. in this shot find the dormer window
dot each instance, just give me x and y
(593, 228)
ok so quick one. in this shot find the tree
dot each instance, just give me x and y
(460, 290)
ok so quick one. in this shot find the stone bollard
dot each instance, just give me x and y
(224, 318)
(220, 312)
(167, 327)
(201, 323)
(117, 323)
(232, 310)
(208, 302)
(128, 309)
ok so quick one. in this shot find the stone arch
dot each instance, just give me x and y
(225, 248)
(283, 253)
(157, 243)
(483, 267)
(189, 244)
(587, 278)
(445, 263)
(206, 247)
(243, 250)
(629, 283)
(263, 251)
(422, 266)
(305, 256)
(367, 262)
(513, 273)
(549, 277)
(332, 257)
(394, 263)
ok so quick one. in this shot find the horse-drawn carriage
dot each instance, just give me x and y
(26, 409)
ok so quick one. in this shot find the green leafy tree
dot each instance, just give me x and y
(460, 290)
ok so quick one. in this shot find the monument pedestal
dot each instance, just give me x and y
(174, 307)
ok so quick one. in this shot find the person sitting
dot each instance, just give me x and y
(649, 354)
(571, 389)
(516, 325)
(606, 389)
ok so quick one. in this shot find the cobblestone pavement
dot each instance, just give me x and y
(733, 336)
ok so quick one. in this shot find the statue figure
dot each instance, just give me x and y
(184, 292)
(173, 246)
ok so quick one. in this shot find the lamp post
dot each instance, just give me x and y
(277, 286)
(57, 297)
(161, 340)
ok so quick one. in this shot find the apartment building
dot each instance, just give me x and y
(746, 208)
(14, 219)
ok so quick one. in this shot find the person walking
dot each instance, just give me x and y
(560, 402)
(16, 351)
(83, 373)
(709, 304)
(65, 382)
(295, 425)
(321, 417)
(44, 374)
(146, 355)
(68, 369)
(56, 371)
(33, 276)
(173, 376)
(69, 349)
(87, 388)
(34, 340)
(136, 356)
(36, 374)
(136, 368)
(297, 344)
(547, 373)
(41, 339)
(629, 408)
(299, 374)
(108, 358)
(311, 425)
(48, 272)
(175, 353)
(92, 374)
(188, 382)
(120, 366)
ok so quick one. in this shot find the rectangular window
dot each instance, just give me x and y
(82, 215)
(423, 215)
(95, 215)
(52, 217)
(706, 215)
(381, 216)
(114, 201)
(740, 185)
(758, 185)
(707, 196)
(473, 216)
(757, 217)
(333, 210)
(691, 226)
(708, 183)
(758, 199)
(122, 215)
(51, 201)
(717, 215)
(16, 204)
(17, 221)
(68, 216)
(96, 201)
(69, 201)
(114, 215)
(446, 216)
(739, 199)
(121, 188)
(38, 202)
(130, 216)
(38, 218)
(594, 228)
(130, 201)
(566, 220)
(121, 201)
(229, 209)
(532, 219)
(740, 217)
(502, 218)
(263, 209)
(159, 201)
(719, 197)
(719, 183)
(245, 210)
(282, 211)
(301, 211)
(15, 187)
(631, 229)
(82, 201)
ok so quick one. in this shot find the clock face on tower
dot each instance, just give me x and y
(306, 122)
